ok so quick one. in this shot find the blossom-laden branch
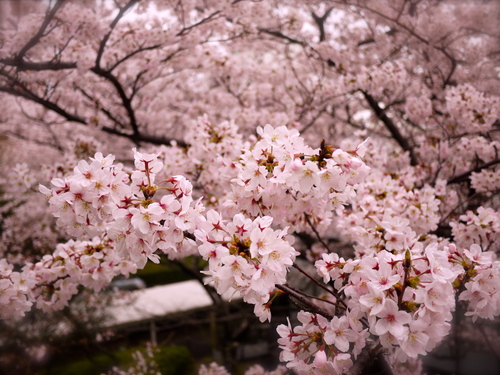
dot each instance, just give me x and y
(123, 10)
(320, 22)
(465, 177)
(136, 136)
(38, 66)
(402, 298)
(51, 12)
(391, 126)
(303, 302)
(238, 195)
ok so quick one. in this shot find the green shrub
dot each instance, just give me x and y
(174, 360)
(160, 274)
(171, 360)
(97, 365)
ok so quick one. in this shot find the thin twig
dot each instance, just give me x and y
(308, 305)
(298, 268)
(316, 233)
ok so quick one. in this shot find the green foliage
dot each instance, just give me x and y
(167, 272)
(174, 360)
(97, 365)
(171, 360)
(160, 274)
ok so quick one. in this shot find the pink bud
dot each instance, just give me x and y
(320, 359)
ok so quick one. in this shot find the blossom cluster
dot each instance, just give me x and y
(480, 282)
(390, 213)
(408, 298)
(144, 363)
(208, 162)
(401, 287)
(115, 207)
(245, 256)
(14, 287)
(212, 140)
(445, 159)
(22, 177)
(322, 346)
(381, 79)
(481, 227)
(471, 108)
(416, 76)
(418, 108)
(486, 180)
(92, 264)
(102, 197)
(298, 186)
(211, 156)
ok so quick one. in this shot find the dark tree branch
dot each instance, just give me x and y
(333, 293)
(172, 55)
(106, 112)
(113, 24)
(106, 74)
(148, 138)
(24, 93)
(56, 144)
(156, 140)
(308, 305)
(372, 351)
(41, 32)
(411, 31)
(126, 101)
(391, 126)
(22, 65)
(136, 135)
(466, 175)
(454, 64)
(35, 141)
(280, 35)
(320, 21)
(308, 220)
(142, 49)
(366, 41)
(187, 29)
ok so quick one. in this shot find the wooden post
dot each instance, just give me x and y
(152, 333)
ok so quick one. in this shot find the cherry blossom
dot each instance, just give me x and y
(246, 256)
(355, 143)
